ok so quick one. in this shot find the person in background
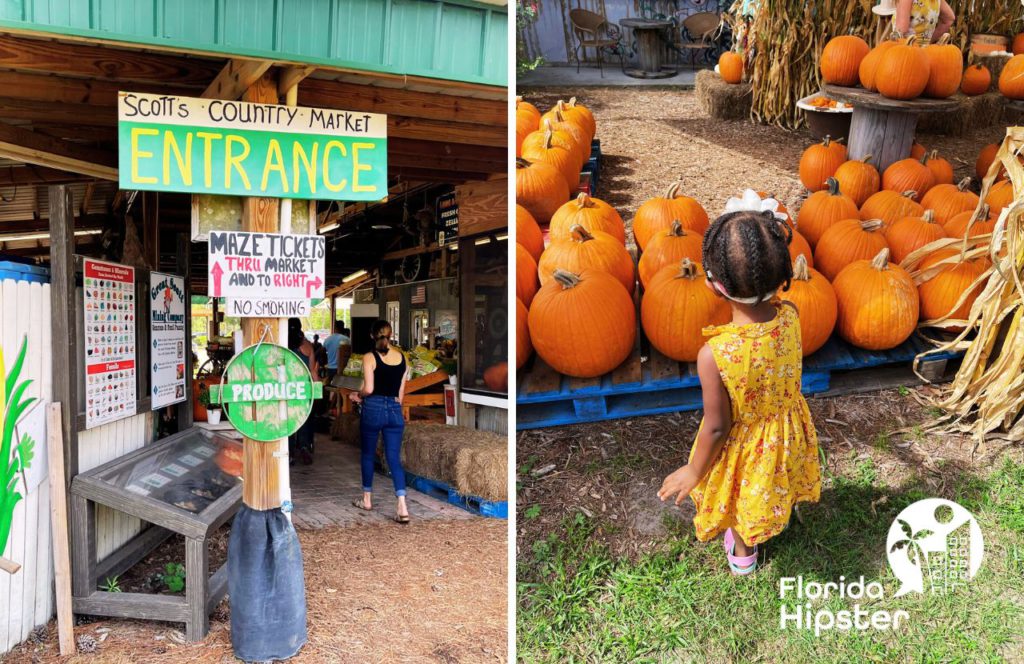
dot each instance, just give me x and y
(927, 19)
(300, 444)
(332, 344)
(384, 375)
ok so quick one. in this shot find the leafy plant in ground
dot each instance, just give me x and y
(174, 577)
(112, 584)
(11, 466)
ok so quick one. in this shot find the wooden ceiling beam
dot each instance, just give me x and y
(446, 132)
(289, 77)
(421, 148)
(34, 148)
(82, 223)
(15, 176)
(374, 99)
(66, 90)
(235, 78)
(104, 62)
(454, 165)
(83, 115)
(440, 177)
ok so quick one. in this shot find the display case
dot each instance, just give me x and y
(483, 342)
(187, 483)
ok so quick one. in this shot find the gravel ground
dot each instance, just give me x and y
(651, 138)
(428, 592)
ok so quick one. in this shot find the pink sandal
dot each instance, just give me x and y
(739, 565)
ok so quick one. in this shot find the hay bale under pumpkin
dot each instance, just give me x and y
(721, 100)
(972, 112)
(474, 463)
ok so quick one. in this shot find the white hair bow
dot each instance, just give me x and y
(752, 202)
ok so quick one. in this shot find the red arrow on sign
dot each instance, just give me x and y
(217, 272)
(316, 283)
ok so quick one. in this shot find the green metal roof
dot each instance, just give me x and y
(456, 40)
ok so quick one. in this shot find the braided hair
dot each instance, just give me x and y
(748, 253)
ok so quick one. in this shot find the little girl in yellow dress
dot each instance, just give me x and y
(756, 452)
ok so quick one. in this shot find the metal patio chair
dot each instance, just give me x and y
(700, 34)
(593, 30)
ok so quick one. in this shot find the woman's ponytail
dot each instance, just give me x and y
(380, 331)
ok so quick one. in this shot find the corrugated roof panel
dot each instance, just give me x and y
(447, 39)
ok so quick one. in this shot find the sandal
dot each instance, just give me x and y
(361, 505)
(402, 519)
(739, 565)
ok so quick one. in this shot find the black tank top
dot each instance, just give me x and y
(387, 378)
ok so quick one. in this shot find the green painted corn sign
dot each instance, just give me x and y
(211, 146)
(267, 392)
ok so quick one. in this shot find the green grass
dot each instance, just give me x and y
(578, 603)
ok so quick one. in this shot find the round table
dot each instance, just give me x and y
(883, 127)
(649, 49)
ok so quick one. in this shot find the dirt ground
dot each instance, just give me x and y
(429, 592)
(651, 137)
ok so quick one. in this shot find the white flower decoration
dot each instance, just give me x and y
(751, 202)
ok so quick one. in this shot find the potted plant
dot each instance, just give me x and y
(212, 409)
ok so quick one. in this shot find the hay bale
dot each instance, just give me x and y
(972, 112)
(995, 64)
(345, 428)
(721, 100)
(474, 463)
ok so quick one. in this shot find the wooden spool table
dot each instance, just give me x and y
(883, 127)
(648, 44)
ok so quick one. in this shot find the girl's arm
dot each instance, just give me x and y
(902, 18)
(366, 389)
(401, 387)
(713, 432)
(946, 18)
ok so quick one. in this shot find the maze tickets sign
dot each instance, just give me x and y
(263, 268)
(267, 392)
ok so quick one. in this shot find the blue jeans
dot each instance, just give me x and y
(382, 416)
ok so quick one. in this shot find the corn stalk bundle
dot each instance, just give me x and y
(1001, 17)
(986, 398)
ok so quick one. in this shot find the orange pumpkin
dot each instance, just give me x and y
(563, 112)
(911, 233)
(917, 151)
(822, 209)
(1011, 79)
(668, 248)
(999, 196)
(658, 213)
(940, 168)
(841, 58)
(677, 306)
(560, 136)
(525, 125)
(945, 68)
(799, 246)
(815, 301)
(941, 288)
(592, 214)
(1018, 44)
(557, 156)
(526, 275)
(958, 225)
(496, 377)
(869, 65)
(528, 108)
(878, 303)
(890, 206)
(540, 188)
(588, 250)
(847, 241)
(528, 232)
(524, 349)
(903, 71)
(985, 158)
(909, 175)
(583, 325)
(730, 67)
(976, 81)
(858, 179)
(819, 162)
(581, 140)
(949, 200)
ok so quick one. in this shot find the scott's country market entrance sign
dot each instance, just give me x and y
(266, 274)
(211, 146)
(267, 392)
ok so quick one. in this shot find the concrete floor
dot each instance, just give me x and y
(589, 75)
(323, 492)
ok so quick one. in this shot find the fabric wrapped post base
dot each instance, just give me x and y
(266, 586)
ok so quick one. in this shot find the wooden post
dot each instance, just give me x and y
(261, 471)
(184, 268)
(150, 230)
(59, 527)
(64, 323)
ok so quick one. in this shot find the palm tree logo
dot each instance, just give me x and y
(912, 543)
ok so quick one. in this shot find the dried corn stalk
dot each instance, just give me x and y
(986, 398)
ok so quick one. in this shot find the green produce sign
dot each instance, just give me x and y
(267, 392)
(211, 146)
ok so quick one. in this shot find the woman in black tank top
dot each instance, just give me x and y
(384, 372)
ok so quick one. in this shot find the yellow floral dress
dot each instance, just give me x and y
(924, 16)
(770, 460)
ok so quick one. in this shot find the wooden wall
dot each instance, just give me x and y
(26, 598)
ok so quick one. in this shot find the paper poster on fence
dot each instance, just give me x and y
(167, 332)
(109, 326)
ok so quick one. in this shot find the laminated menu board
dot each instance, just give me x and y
(109, 329)
(167, 333)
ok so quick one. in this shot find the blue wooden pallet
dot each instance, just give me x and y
(660, 385)
(593, 166)
(490, 508)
